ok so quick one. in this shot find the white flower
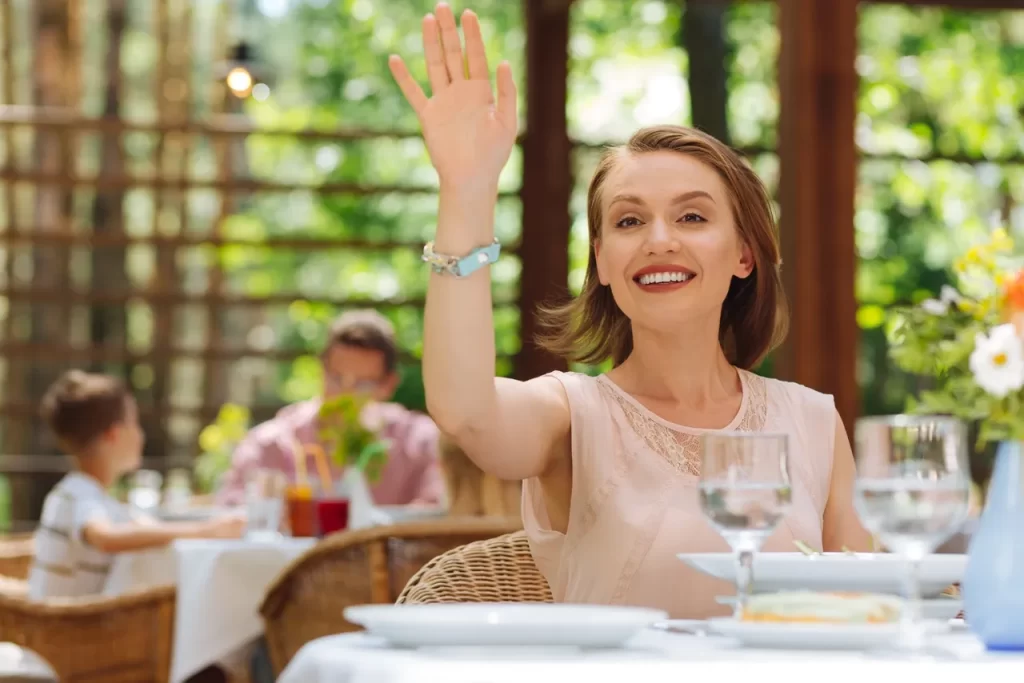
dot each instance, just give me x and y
(947, 296)
(998, 361)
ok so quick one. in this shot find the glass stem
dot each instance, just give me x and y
(911, 617)
(744, 580)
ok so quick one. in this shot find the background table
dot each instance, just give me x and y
(220, 586)
(652, 656)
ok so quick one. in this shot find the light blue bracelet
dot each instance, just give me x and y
(464, 266)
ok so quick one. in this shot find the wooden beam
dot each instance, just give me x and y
(818, 83)
(974, 5)
(977, 5)
(547, 177)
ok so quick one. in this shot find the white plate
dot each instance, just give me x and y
(506, 625)
(937, 608)
(816, 636)
(408, 513)
(863, 572)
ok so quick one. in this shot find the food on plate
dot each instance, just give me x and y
(809, 607)
(810, 552)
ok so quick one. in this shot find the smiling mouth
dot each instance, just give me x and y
(663, 280)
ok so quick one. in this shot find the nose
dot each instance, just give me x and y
(660, 239)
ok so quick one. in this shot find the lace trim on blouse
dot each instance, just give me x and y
(679, 448)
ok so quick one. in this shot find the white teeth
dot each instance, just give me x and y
(657, 278)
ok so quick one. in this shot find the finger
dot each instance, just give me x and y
(507, 97)
(436, 70)
(410, 88)
(476, 56)
(451, 42)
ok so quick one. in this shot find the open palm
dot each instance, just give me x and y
(469, 134)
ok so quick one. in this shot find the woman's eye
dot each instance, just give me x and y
(692, 218)
(627, 222)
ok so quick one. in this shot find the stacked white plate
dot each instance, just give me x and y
(847, 572)
(503, 625)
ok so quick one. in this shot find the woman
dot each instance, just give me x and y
(682, 291)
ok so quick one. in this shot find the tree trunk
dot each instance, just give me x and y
(702, 35)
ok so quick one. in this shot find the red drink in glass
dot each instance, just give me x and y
(332, 514)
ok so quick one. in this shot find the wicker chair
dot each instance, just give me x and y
(16, 553)
(354, 568)
(125, 639)
(495, 570)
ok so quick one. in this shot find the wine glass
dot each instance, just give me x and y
(912, 492)
(744, 492)
(264, 502)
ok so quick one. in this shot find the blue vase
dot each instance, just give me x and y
(993, 585)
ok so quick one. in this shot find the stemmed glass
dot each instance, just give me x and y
(744, 492)
(912, 492)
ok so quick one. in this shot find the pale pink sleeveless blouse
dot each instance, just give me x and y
(635, 505)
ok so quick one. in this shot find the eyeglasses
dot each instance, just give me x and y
(340, 383)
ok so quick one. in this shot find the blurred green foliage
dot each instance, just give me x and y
(934, 83)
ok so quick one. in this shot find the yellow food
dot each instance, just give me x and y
(807, 607)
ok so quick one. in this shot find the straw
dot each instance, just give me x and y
(301, 475)
(324, 470)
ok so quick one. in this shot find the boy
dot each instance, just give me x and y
(96, 422)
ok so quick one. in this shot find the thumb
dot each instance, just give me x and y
(507, 97)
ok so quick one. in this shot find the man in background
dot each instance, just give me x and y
(361, 356)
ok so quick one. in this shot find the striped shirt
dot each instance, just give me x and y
(65, 565)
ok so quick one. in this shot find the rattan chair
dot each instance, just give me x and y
(16, 553)
(354, 568)
(125, 639)
(494, 570)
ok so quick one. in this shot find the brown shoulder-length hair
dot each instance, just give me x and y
(592, 328)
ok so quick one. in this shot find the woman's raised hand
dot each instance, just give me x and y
(469, 134)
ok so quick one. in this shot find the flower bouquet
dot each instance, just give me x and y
(969, 341)
(351, 435)
(217, 441)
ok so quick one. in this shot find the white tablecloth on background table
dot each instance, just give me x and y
(651, 656)
(221, 584)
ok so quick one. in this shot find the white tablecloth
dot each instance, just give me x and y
(652, 656)
(220, 583)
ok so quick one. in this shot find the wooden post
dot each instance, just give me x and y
(817, 188)
(547, 176)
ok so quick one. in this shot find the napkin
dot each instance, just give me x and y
(361, 511)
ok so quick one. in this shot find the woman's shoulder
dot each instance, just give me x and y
(799, 399)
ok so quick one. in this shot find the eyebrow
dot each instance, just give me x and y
(684, 197)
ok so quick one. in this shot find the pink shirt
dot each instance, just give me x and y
(412, 474)
(635, 504)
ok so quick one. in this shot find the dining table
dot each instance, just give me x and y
(220, 584)
(651, 656)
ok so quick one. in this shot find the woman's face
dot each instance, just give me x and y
(668, 245)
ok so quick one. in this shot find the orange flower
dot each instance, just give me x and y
(1014, 293)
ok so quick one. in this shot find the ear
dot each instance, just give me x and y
(388, 386)
(111, 433)
(602, 275)
(746, 264)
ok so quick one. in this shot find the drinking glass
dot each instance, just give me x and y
(744, 492)
(144, 491)
(912, 492)
(178, 490)
(264, 503)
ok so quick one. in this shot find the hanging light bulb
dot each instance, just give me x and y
(239, 81)
(240, 73)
